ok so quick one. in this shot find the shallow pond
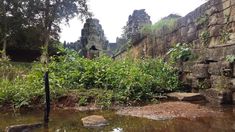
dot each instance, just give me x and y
(70, 121)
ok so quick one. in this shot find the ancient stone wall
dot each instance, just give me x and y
(210, 32)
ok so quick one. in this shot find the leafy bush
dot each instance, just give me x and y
(132, 80)
(10, 71)
(180, 52)
(121, 81)
(205, 37)
(230, 58)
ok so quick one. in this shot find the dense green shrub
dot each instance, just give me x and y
(180, 52)
(123, 80)
(134, 80)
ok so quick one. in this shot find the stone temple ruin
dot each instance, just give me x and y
(132, 29)
(92, 42)
(93, 37)
(209, 31)
(136, 21)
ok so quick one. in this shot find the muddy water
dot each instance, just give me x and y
(70, 121)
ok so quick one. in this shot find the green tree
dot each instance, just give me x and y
(3, 15)
(49, 14)
(12, 18)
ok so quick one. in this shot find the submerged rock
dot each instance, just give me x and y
(186, 96)
(169, 110)
(23, 127)
(94, 121)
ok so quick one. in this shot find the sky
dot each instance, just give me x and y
(113, 15)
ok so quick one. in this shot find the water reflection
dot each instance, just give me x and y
(70, 121)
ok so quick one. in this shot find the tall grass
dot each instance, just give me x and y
(167, 23)
(12, 70)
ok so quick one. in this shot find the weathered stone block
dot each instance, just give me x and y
(226, 69)
(215, 54)
(218, 97)
(226, 4)
(195, 83)
(190, 97)
(232, 2)
(214, 41)
(184, 31)
(232, 81)
(215, 30)
(214, 80)
(191, 36)
(233, 97)
(228, 50)
(212, 10)
(220, 82)
(201, 71)
(214, 68)
(188, 65)
(213, 20)
(227, 12)
(233, 67)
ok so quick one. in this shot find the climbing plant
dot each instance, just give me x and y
(204, 37)
(180, 51)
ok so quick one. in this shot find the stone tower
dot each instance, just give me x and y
(93, 37)
(136, 21)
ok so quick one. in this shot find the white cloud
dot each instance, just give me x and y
(113, 14)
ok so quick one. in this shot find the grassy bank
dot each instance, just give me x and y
(102, 81)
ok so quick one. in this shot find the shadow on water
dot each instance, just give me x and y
(70, 121)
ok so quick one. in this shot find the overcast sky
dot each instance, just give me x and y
(113, 14)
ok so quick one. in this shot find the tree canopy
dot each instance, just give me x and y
(36, 22)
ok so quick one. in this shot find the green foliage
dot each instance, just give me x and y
(168, 23)
(202, 21)
(180, 52)
(120, 81)
(83, 101)
(230, 58)
(205, 37)
(129, 78)
(11, 70)
(222, 83)
(21, 86)
(204, 84)
(224, 36)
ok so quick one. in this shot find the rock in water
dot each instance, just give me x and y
(169, 110)
(94, 121)
(23, 127)
(186, 96)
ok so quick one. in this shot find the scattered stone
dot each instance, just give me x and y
(23, 127)
(169, 110)
(186, 96)
(94, 121)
